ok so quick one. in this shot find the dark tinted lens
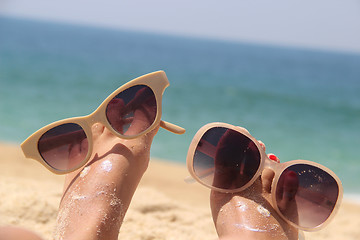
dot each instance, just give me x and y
(64, 147)
(306, 195)
(132, 111)
(226, 159)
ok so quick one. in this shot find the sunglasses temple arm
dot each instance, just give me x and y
(172, 127)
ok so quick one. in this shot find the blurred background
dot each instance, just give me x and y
(289, 72)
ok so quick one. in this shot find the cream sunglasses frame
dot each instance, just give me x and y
(265, 163)
(157, 81)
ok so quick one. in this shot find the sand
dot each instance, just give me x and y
(163, 207)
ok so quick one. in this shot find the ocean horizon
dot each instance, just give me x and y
(302, 103)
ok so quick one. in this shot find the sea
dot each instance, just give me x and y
(302, 103)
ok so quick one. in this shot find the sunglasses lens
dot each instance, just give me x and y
(306, 195)
(225, 159)
(132, 111)
(64, 147)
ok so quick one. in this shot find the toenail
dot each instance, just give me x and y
(273, 157)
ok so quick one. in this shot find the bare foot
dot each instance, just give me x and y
(97, 196)
(249, 214)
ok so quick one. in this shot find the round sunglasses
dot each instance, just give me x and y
(228, 159)
(131, 111)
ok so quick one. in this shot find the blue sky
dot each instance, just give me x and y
(324, 24)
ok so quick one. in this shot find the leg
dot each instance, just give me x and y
(249, 214)
(97, 197)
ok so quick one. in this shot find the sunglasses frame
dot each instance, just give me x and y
(156, 81)
(265, 163)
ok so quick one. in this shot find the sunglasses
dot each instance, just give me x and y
(131, 111)
(228, 159)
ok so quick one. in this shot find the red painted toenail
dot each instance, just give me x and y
(273, 157)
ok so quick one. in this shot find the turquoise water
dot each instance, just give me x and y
(304, 104)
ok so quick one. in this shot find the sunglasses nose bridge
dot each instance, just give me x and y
(95, 117)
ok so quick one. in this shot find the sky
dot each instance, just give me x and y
(320, 24)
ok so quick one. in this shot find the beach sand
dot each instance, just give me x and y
(163, 207)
